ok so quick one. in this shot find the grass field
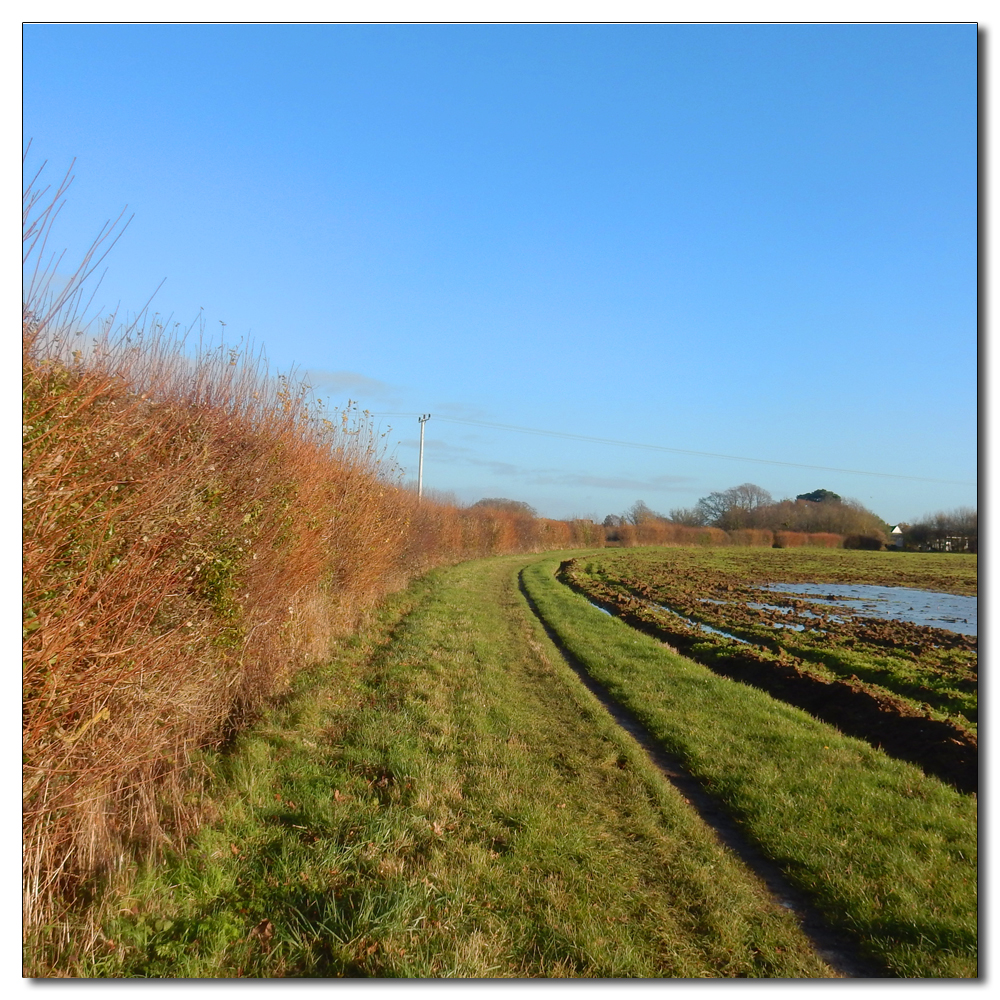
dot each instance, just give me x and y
(446, 799)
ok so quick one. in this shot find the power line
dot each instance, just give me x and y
(676, 451)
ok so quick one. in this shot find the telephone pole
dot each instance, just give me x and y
(420, 464)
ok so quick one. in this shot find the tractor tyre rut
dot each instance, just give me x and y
(839, 951)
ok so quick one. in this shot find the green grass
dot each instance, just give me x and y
(888, 853)
(444, 799)
(946, 680)
(950, 573)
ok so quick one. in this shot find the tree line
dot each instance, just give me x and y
(749, 506)
(946, 531)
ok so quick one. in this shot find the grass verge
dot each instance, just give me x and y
(445, 799)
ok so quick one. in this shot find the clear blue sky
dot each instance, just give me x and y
(754, 241)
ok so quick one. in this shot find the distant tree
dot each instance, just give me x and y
(819, 496)
(692, 517)
(613, 521)
(640, 513)
(955, 530)
(963, 521)
(510, 506)
(840, 517)
(736, 507)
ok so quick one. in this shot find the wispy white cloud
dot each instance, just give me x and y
(442, 450)
(446, 453)
(353, 384)
(463, 411)
(654, 484)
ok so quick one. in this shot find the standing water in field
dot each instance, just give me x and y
(920, 607)
(702, 625)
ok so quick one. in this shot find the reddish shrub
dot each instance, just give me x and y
(627, 536)
(193, 535)
(790, 539)
(709, 536)
(752, 537)
(825, 540)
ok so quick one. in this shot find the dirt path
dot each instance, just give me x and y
(836, 949)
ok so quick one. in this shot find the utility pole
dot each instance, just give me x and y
(420, 465)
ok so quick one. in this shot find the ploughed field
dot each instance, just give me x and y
(910, 689)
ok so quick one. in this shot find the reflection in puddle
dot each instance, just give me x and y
(690, 621)
(920, 607)
(799, 613)
(704, 628)
(781, 611)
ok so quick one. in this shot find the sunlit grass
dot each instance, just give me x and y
(888, 853)
(445, 799)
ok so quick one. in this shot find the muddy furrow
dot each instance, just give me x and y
(937, 747)
(839, 951)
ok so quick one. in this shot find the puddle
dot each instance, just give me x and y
(919, 607)
(798, 613)
(804, 613)
(704, 628)
(768, 607)
(690, 621)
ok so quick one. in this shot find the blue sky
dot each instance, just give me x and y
(754, 241)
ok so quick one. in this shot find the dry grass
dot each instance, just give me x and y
(195, 531)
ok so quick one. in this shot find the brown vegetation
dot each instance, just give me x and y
(194, 532)
(760, 537)
(659, 532)
(819, 539)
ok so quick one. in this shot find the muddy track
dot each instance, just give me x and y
(839, 951)
(938, 747)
